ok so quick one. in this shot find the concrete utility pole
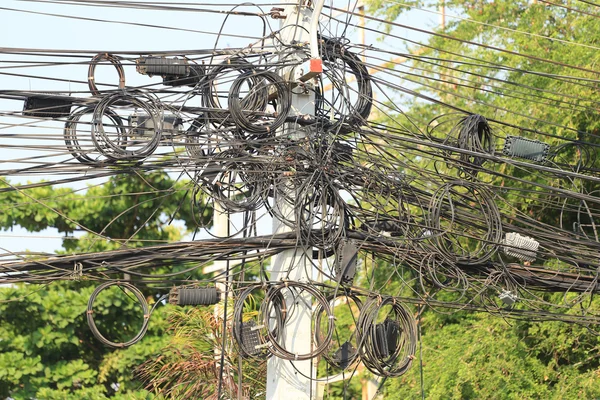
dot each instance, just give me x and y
(291, 380)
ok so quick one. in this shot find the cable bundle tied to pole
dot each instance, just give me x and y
(345, 354)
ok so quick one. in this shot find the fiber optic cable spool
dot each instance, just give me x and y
(465, 222)
(249, 329)
(296, 290)
(528, 149)
(110, 143)
(340, 105)
(114, 60)
(387, 348)
(522, 247)
(82, 148)
(142, 302)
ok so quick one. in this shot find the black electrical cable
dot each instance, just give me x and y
(246, 111)
(338, 61)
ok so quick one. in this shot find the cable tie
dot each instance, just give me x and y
(257, 327)
(89, 312)
(146, 316)
(296, 357)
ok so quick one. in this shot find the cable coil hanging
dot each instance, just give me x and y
(142, 301)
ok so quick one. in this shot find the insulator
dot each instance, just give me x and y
(533, 150)
(522, 247)
(194, 296)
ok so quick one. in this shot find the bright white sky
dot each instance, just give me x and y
(28, 30)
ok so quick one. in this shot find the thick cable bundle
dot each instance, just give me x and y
(74, 143)
(141, 299)
(386, 348)
(114, 60)
(459, 232)
(296, 290)
(262, 84)
(135, 148)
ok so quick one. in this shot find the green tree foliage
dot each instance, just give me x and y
(477, 356)
(530, 68)
(47, 350)
(188, 368)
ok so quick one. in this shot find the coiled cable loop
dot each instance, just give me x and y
(141, 299)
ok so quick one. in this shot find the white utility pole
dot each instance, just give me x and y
(291, 380)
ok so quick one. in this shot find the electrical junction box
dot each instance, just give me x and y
(142, 125)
